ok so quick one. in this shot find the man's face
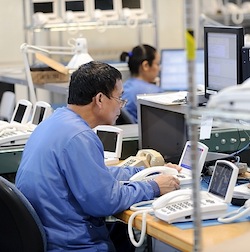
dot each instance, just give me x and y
(113, 105)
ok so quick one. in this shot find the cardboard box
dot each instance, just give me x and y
(47, 75)
(53, 72)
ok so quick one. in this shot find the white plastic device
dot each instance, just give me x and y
(111, 138)
(75, 11)
(235, 98)
(177, 206)
(49, 10)
(144, 157)
(185, 175)
(22, 112)
(102, 11)
(234, 215)
(18, 133)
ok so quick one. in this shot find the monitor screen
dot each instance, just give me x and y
(109, 140)
(45, 7)
(20, 113)
(222, 57)
(220, 180)
(104, 5)
(162, 130)
(131, 4)
(74, 6)
(38, 115)
(174, 69)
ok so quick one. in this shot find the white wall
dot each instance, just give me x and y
(105, 45)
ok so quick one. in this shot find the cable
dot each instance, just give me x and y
(234, 215)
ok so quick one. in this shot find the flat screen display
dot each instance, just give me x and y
(222, 57)
(74, 6)
(20, 113)
(131, 4)
(174, 69)
(109, 140)
(220, 180)
(162, 130)
(45, 7)
(104, 5)
(38, 115)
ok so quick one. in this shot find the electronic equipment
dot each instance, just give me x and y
(105, 10)
(233, 98)
(162, 128)
(245, 63)
(49, 10)
(145, 157)
(234, 215)
(17, 133)
(21, 114)
(75, 11)
(222, 57)
(185, 175)
(177, 206)
(111, 138)
(133, 9)
(241, 194)
(174, 69)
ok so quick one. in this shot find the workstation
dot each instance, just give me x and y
(162, 125)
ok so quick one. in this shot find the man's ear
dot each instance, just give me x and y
(99, 98)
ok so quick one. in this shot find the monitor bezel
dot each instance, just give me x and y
(174, 117)
(106, 14)
(78, 15)
(239, 32)
(54, 13)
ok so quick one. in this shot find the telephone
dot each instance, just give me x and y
(234, 215)
(145, 157)
(152, 172)
(177, 206)
(16, 133)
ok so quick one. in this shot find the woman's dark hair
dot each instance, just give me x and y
(90, 79)
(137, 56)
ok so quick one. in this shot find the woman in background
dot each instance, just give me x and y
(144, 66)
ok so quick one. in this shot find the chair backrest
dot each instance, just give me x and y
(20, 228)
(7, 105)
(124, 118)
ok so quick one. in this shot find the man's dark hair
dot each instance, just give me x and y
(90, 79)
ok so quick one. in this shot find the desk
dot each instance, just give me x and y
(183, 239)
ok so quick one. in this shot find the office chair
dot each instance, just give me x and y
(124, 118)
(20, 227)
(7, 105)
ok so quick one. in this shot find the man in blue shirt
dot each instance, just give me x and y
(62, 171)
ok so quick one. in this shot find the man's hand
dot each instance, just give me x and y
(167, 183)
(175, 166)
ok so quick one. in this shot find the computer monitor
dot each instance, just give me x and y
(174, 69)
(47, 7)
(41, 111)
(162, 128)
(222, 57)
(136, 6)
(108, 8)
(79, 9)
